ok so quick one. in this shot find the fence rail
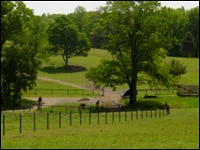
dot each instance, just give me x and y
(92, 92)
(11, 122)
(67, 91)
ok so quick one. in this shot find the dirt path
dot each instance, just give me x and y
(109, 96)
(61, 82)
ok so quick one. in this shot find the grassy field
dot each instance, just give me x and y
(81, 65)
(178, 130)
(55, 69)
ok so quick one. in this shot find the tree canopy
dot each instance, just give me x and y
(24, 46)
(67, 40)
(14, 16)
(138, 36)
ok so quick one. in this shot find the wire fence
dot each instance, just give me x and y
(64, 91)
(39, 120)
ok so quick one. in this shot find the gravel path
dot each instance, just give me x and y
(109, 96)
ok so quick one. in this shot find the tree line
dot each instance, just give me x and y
(138, 34)
(184, 26)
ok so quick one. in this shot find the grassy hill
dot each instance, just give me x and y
(75, 74)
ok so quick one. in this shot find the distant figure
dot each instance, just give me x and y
(39, 99)
(39, 102)
(167, 108)
(97, 104)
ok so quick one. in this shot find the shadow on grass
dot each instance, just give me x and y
(146, 105)
(63, 69)
(22, 104)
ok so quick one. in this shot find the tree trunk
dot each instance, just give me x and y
(66, 62)
(134, 62)
(65, 58)
(133, 92)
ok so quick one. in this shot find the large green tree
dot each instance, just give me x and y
(18, 71)
(138, 34)
(67, 40)
(23, 50)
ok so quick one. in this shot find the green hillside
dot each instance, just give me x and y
(54, 69)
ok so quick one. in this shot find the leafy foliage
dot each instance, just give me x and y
(177, 68)
(137, 37)
(23, 49)
(66, 39)
(14, 15)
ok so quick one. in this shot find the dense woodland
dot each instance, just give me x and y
(27, 40)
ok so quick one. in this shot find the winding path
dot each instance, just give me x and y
(109, 96)
(61, 82)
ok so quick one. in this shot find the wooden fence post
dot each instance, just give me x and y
(125, 115)
(90, 115)
(106, 117)
(60, 119)
(142, 114)
(3, 124)
(113, 116)
(20, 123)
(80, 117)
(119, 116)
(159, 113)
(146, 113)
(34, 121)
(47, 120)
(70, 117)
(131, 114)
(52, 108)
(136, 114)
(98, 117)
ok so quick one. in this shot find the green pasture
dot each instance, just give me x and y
(179, 130)
(55, 68)
(75, 74)
(191, 77)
